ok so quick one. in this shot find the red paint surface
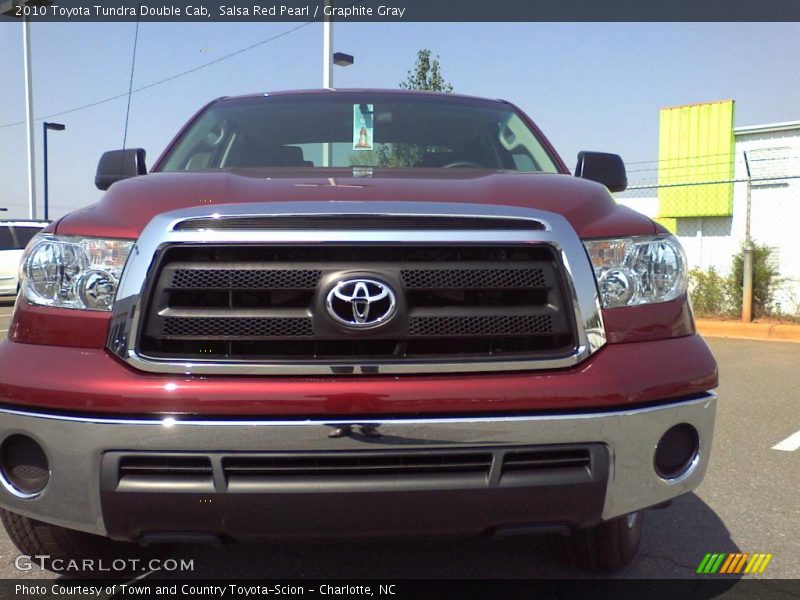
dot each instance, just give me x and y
(91, 381)
(58, 326)
(129, 205)
(649, 321)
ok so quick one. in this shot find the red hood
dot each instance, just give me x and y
(129, 205)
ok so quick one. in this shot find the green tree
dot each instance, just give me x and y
(709, 292)
(766, 280)
(426, 75)
(713, 294)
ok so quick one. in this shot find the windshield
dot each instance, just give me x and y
(358, 130)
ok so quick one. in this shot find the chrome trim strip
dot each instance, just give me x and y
(177, 421)
(558, 234)
(540, 224)
(14, 491)
(689, 469)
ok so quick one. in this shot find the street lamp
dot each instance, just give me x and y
(341, 59)
(45, 127)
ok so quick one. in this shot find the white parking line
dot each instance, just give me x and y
(790, 444)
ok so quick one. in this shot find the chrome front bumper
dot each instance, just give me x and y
(75, 447)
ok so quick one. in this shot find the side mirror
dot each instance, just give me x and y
(118, 165)
(604, 168)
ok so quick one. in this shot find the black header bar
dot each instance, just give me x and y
(400, 11)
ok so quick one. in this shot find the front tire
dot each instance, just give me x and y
(70, 547)
(607, 547)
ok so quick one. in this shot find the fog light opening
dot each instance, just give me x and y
(24, 470)
(677, 452)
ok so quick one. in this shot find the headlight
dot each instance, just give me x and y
(73, 272)
(638, 270)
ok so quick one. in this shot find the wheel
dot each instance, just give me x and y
(610, 546)
(77, 553)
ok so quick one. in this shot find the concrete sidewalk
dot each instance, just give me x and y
(779, 332)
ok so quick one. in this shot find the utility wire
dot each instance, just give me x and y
(167, 79)
(695, 165)
(718, 182)
(130, 84)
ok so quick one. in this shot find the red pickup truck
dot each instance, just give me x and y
(351, 313)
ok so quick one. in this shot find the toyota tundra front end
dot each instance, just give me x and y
(351, 313)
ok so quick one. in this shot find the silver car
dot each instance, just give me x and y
(14, 236)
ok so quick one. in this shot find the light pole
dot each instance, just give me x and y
(26, 51)
(15, 8)
(45, 127)
(329, 58)
(327, 47)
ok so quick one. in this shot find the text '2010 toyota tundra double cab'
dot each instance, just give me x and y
(344, 313)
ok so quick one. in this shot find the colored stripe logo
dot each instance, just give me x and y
(733, 563)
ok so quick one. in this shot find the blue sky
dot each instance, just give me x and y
(595, 86)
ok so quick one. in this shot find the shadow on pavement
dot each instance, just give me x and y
(675, 541)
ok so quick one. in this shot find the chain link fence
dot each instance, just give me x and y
(756, 206)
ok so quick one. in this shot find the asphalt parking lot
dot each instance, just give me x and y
(748, 503)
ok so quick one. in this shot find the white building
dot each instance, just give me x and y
(773, 155)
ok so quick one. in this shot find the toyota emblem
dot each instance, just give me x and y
(361, 303)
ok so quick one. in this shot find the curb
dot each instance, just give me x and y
(773, 332)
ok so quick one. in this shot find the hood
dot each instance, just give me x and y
(129, 205)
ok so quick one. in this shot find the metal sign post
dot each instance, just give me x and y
(747, 267)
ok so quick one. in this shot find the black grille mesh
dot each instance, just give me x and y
(485, 466)
(154, 464)
(491, 325)
(245, 279)
(363, 464)
(268, 302)
(473, 278)
(237, 327)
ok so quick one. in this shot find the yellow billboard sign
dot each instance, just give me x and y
(696, 160)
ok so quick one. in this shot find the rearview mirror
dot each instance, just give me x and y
(604, 168)
(117, 165)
